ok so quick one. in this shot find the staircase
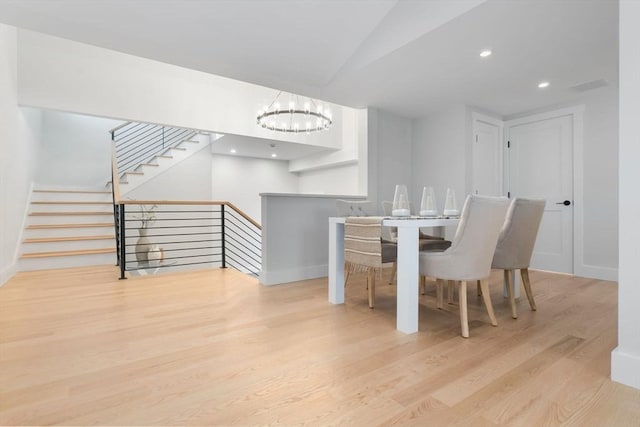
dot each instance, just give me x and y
(68, 228)
(144, 151)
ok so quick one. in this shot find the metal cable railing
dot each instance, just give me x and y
(138, 143)
(158, 235)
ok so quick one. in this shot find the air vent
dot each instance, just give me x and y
(594, 84)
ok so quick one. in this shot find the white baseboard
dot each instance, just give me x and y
(8, 273)
(596, 272)
(269, 278)
(625, 368)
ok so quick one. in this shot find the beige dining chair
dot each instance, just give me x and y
(352, 208)
(364, 249)
(515, 245)
(469, 257)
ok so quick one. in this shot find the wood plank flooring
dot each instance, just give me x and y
(79, 347)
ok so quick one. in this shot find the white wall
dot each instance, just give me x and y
(187, 180)
(600, 179)
(390, 155)
(19, 146)
(240, 180)
(441, 153)
(62, 75)
(625, 359)
(76, 150)
(337, 180)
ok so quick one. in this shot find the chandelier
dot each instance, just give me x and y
(294, 114)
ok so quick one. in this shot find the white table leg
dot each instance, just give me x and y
(516, 286)
(407, 309)
(336, 263)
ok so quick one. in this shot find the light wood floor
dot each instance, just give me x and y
(79, 347)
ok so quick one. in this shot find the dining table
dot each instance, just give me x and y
(408, 267)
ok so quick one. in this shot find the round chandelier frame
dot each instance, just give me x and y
(299, 117)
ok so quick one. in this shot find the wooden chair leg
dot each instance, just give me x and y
(462, 301)
(450, 285)
(371, 283)
(478, 289)
(423, 285)
(484, 285)
(524, 272)
(347, 271)
(439, 290)
(508, 280)
(394, 271)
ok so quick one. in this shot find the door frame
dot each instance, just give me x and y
(577, 116)
(500, 124)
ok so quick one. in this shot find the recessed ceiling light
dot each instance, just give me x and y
(485, 53)
(543, 85)
(232, 151)
(274, 155)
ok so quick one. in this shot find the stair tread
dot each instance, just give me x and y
(68, 253)
(70, 203)
(179, 148)
(73, 191)
(164, 156)
(68, 213)
(68, 239)
(44, 226)
(133, 173)
(149, 164)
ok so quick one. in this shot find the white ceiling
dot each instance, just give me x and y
(409, 57)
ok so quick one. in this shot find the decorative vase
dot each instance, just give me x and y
(142, 246)
(428, 203)
(401, 202)
(450, 204)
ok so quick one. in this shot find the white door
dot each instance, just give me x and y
(541, 166)
(487, 158)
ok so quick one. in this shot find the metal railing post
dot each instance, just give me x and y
(224, 256)
(123, 246)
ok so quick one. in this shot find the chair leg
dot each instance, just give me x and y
(439, 286)
(478, 289)
(508, 280)
(423, 285)
(394, 271)
(484, 285)
(371, 283)
(347, 271)
(524, 272)
(462, 300)
(450, 285)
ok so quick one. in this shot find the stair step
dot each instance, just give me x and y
(68, 239)
(179, 148)
(164, 156)
(133, 173)
(73, 191)
(67, 253)
(68, 213)
(149, 164)
(70, 202)
(45, 226)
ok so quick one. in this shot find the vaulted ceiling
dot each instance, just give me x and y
(409, 57)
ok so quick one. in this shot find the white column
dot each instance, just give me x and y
(625, 359)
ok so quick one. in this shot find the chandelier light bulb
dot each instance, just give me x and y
(276, 106)
(307, 107)
(292, 106)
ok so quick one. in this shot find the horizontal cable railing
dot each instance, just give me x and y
(157, 235)
(137, 143)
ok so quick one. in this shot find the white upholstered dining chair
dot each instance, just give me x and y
(471, 252)
(515, 245)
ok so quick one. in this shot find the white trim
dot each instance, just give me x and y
(597, 272)
(279, 277)
(8, 273)
(552, 114)
(500, 124)
(625, 368)
(25, 218)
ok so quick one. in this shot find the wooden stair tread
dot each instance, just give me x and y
(70, 203)
(149, 164)
(68, 253)
(73, 191)
(44, 226)
(179, 148)
(133, 173)
(68, 239)
(68, 213)
(164, 156)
